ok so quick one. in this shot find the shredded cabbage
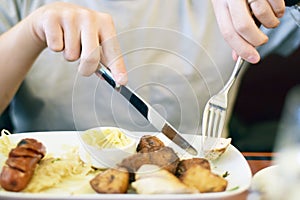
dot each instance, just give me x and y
(5, 143)
(108, 138)
(53, 172)
(63, 174)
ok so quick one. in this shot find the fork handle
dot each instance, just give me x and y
(237, 68)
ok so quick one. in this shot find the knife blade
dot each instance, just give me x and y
(147, 111)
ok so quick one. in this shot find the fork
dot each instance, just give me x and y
(215, 109)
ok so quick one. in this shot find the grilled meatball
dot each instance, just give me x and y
(149, 143)
(165, 158)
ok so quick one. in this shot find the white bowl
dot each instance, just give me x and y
(110, 154)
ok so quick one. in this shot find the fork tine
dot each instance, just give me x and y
(221, 123)
(216, 122)
(205, 118)
(214, 114)
(210, 122)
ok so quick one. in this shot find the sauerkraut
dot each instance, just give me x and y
(54, 172)
(107, 138)
(63, 174)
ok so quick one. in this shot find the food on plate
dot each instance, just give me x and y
(149, 143)
(106, 138)
(152, 166)
(51, 173)
(21, 163)
(164, 157)
(65, 172)
(152, 179)
(155, 167)
(203, 179)
(215, 147)
(185, 164)
(111, 181)
(104, 147)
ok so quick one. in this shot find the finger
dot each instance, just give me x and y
(237, 43)
(53, 34)
(111, 56)
(71, 38)
(90, 53)
(278, 7)
(263, 12)
(234, 55)
(244, 23)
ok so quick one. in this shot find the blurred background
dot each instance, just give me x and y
(260, 100)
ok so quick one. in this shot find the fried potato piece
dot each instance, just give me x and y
(184, 165)
(203, 179)
(111, 181)
(149, 143)
(151, 179)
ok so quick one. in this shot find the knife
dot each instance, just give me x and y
(147, 111)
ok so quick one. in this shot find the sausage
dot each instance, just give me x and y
(33, 145)
(21, 163)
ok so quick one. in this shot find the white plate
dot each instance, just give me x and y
(232, 161)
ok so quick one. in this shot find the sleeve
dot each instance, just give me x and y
(13, 11)
(284, 39)
(9, 14)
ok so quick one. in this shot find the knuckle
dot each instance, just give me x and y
(242, 28)
(106, 19)
(260, 41)
(279, 11)
(71, 55)
(90, 60)
(54, 45)
(228, 36)
(271, 24)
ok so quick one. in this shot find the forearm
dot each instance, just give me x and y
(18, 50)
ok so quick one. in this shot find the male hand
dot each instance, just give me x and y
(237, 25)
(78, 32)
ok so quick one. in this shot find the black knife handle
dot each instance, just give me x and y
(105, 73)
(137, 102)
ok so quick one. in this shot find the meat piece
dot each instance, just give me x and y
(151, 179)
(17, 152)
(20, 165)
(203, 179)
(111, 181)
(149, 143)
(13, 179)
(186, 164)
(165, 158)
(23, 164)
(32, 144)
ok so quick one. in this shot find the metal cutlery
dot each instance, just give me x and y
(214, 114)
(147, 111)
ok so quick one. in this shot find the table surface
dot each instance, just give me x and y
(258, 160)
